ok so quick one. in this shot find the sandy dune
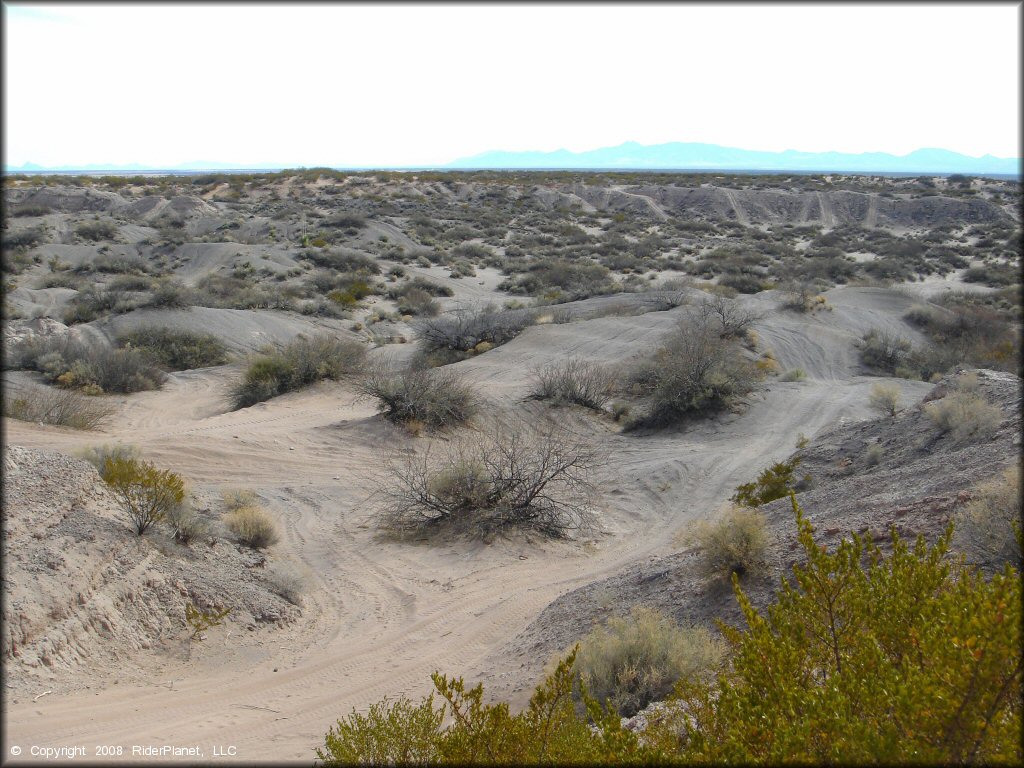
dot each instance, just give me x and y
(381, 616)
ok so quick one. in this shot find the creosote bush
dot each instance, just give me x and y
(253, 526)
(630, 663)
(145, 493)
(525, 477)
(298, 364)
(734, 543)
(417, 397)
(774, 482)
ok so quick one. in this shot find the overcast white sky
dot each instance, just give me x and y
(392, 85)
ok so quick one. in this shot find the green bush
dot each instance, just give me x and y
(866, 658)
(298, 364)
(145, 493)
(176, 350)
(774, 482)
(631, 663)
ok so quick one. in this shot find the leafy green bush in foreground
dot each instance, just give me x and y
(864, 658)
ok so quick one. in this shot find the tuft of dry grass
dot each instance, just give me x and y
(253, 526)
(636, 661)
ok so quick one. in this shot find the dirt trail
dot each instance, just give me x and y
(381, 616)
(741, 215)
(828, 218)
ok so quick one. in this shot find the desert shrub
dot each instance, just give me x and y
(775, 482)
(298, 364)
(286, 582)
(965, 416)
(988, 527)
(631, 663)
(253, 526)
(23, 239)
(422, 284)
(559, 280)
(236, 498)
(176, 350)
(874, 454)
(94, 368)
(885, 399)
(884, 351)
(130, 283)
(743, 282)
(511, 477)
(925, 652)
(92, 303)
(185, 523)
(694, 373)
(342, 261)
(55, 406)
(146, 494)
(96, 230)
(794, 374)
(97, 455)
(345, 220)
(400, 732)
(573, 381)
(455, 335)
(115, 264)
(996, 275)
(735, 543)
(436, 399)
(967, 333)
(30, 209)
(732, 318)
(170, 294)
(415, 301)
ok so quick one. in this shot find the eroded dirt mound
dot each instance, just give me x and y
(83, 592)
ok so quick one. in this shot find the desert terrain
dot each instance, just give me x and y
(595, 267)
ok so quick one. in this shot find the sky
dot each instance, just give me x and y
(352, 85)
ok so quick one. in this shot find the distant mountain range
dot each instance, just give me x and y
(632, 156)
(707, 157)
